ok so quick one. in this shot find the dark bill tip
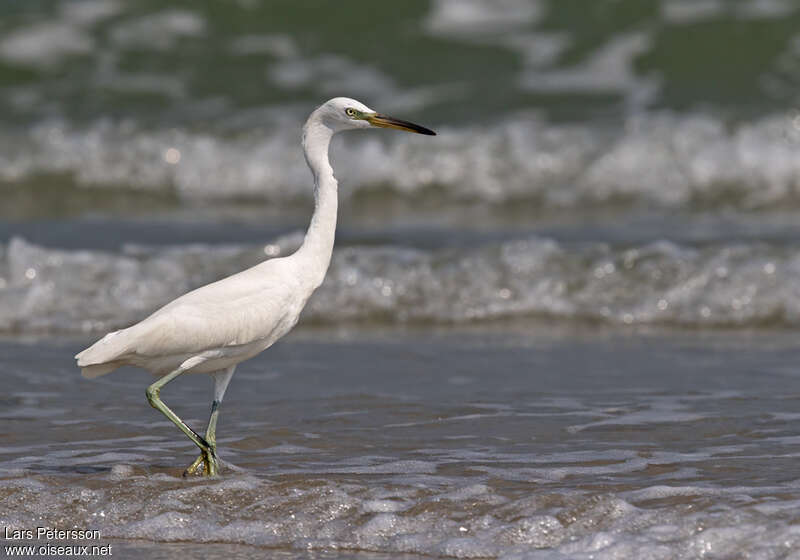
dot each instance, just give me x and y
(385, 121)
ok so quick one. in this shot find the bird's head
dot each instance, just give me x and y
(343, 113)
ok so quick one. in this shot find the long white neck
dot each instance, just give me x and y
(315, 253)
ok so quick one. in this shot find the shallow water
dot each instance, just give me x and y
(562, 328)
(503, 443)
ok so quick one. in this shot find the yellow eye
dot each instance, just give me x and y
(350, 112)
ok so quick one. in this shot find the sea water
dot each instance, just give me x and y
(565, 327)
(527, 444)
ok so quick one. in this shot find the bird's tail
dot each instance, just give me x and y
(96, 370)
(100, 358)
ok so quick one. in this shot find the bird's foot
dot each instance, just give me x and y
(211, 463)
(198, 467)
(206, 464)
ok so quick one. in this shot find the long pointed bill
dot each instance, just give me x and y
(385, 121)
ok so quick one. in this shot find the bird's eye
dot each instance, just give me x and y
(350, 112)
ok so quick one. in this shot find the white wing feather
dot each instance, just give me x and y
(237, 310)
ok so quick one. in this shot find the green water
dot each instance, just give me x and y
(214, 61)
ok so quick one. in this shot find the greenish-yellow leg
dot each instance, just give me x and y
(211, 438)
(208, 453)
(221, 380)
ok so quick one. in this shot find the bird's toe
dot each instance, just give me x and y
(198, 467)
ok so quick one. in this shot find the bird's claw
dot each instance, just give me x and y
(206, 464)
(192, 469)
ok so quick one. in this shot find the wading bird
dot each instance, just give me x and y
(213, 328)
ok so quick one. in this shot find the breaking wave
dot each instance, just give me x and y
(746, 285)
(461, 521)
(661, 160)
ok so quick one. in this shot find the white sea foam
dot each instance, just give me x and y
(689, 11)
(88, 12)
(160, 30)
(724, 286)
(456, 522)
(609, 69)
(45, 44)
(661, 159)
(279, 45)
(470, 16)
(52, 40)
(334, 72)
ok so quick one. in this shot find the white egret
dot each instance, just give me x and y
(213, 328)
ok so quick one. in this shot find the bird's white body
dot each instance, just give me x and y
(215, 327)
(233, 319)
(223, 323)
